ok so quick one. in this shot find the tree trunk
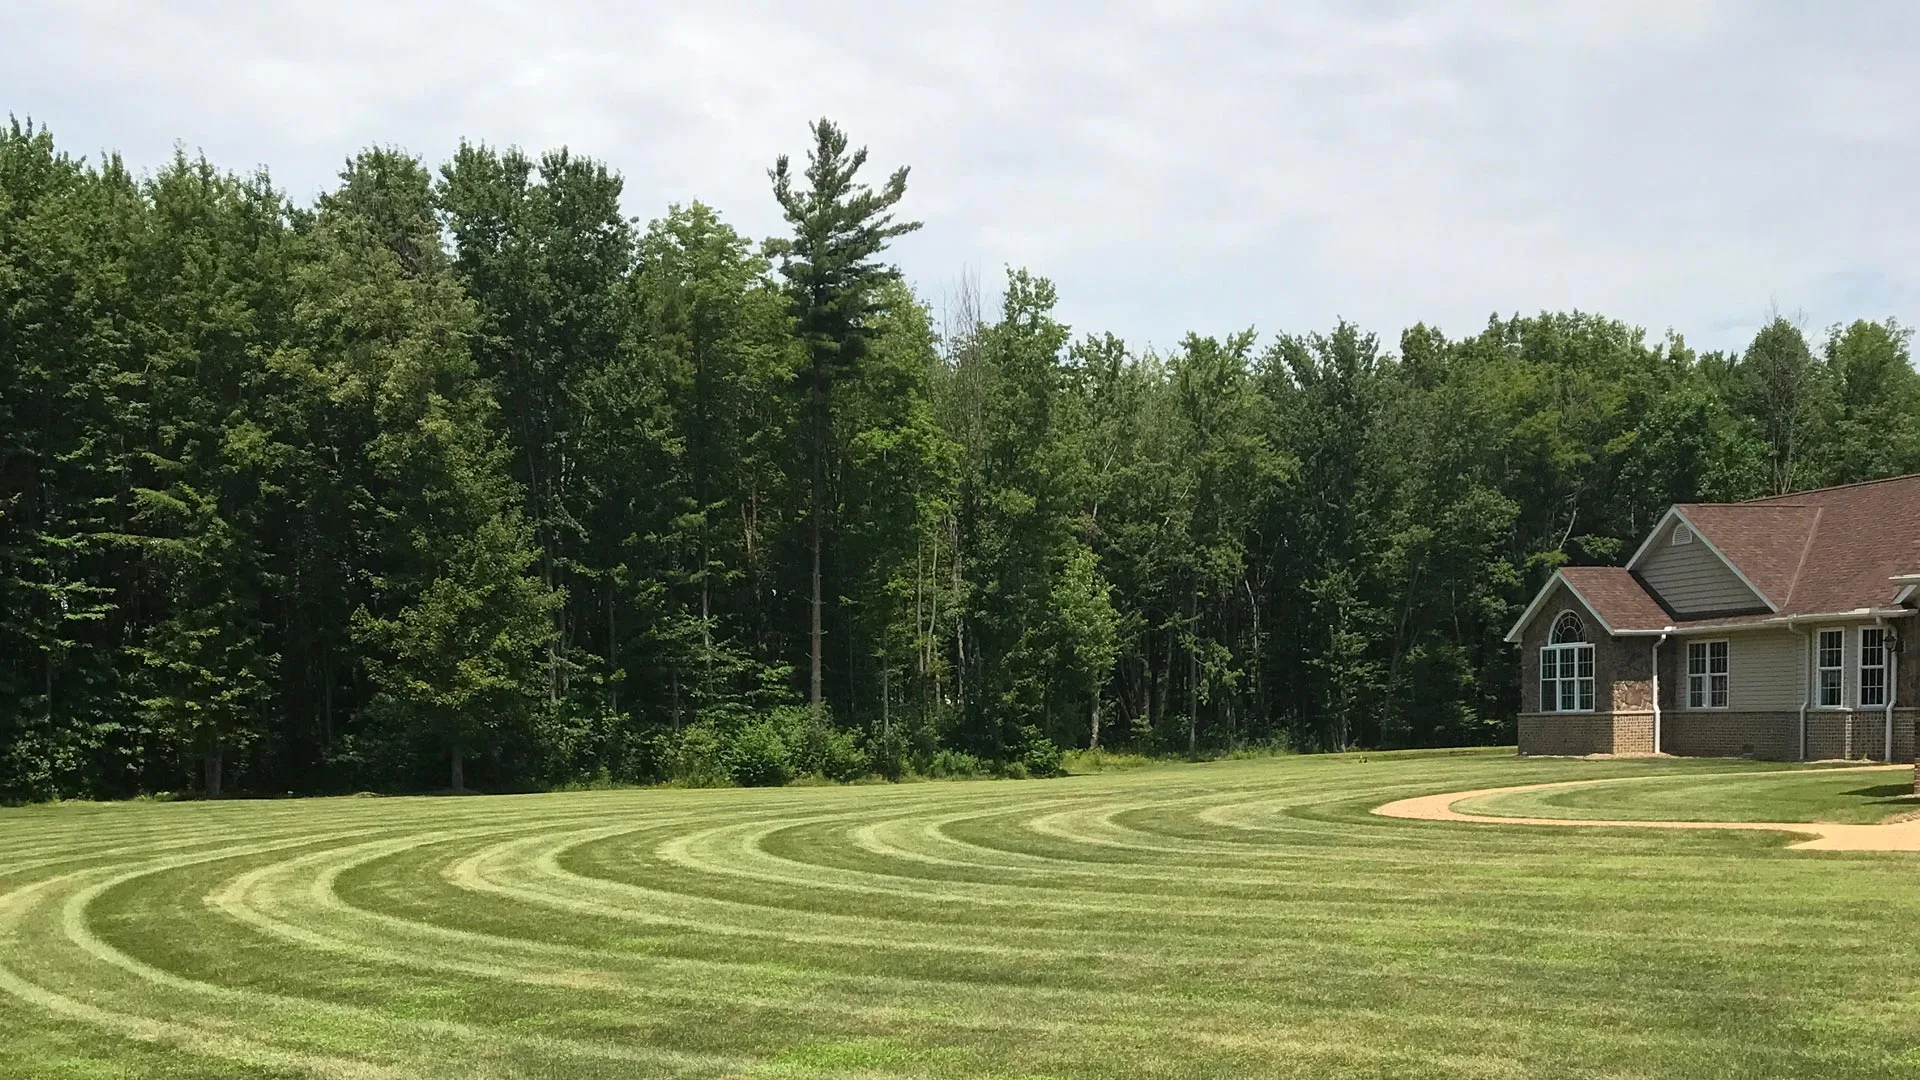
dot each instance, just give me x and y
(458, 779)
(1163, 682)
(213, 766)
(1093, 737)
(959, 628)
(613, 682)
(815, 499)
(1146, 686)
(1193, 674)
(1258, 704)
(326, 700)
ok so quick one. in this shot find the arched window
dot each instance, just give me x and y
(1566, 667)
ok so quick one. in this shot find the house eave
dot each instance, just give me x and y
(1778, 621)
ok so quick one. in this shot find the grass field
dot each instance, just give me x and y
(1237, 919)
(1848, 797)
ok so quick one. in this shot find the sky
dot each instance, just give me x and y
(1173, 166)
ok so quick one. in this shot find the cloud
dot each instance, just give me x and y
(1173, 166)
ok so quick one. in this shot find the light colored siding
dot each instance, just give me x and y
(1768, 670)
(1691, 578)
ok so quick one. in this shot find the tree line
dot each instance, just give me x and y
(462, 477)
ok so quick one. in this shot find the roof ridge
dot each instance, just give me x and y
(1815, 491)
(1806, 549)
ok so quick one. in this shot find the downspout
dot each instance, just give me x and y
(1886, 654)
(1656, 691)
(1806, 689)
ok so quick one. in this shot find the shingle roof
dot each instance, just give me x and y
(1768, 542)
(1823, 552)
(1856, 538)
(1617, 596)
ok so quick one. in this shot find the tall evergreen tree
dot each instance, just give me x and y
(452, 625)
(833, 272)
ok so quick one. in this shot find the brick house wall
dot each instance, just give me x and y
(1622, 720)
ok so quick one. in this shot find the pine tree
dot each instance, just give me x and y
(840, 227)
(453, 627)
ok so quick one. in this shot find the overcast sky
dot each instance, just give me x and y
(1172, 166)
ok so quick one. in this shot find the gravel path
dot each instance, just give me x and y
(1891, 836)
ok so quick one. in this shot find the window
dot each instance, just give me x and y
(1831, 650)
(1566, 667)
(1682, 534)
(1707, 675)
(1873, 665)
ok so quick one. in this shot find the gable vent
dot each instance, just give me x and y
(1682, 534)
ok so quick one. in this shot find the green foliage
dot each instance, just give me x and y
(756, 756)
(1089, 762)
(835, 286)
(464, 476)
(816, 746)
(700, 757)
(955, 765)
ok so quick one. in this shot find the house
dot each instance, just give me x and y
(1780, 628)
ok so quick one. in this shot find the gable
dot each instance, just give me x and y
(1555, 596)
(1612, 596)
(1692, 578)
(1767, 543)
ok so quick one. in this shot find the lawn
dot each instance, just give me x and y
(1234, 919)
(1848, 797)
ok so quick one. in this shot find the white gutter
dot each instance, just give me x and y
(1656, 691)
(1777, 620)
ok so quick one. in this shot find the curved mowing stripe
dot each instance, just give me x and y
(1229, 920)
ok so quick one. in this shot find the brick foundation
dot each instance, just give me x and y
(1771, 736)
(1858, 734)
(1578, 734)
(1774, 736)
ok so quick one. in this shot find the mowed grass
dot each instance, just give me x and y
(1235, 919)
(1846, 796)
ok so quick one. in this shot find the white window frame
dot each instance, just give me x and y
(1821, 669)
(1703, 683)
(1860, 663)
(1682, 534)
(1566, 671)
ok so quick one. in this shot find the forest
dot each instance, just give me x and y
(460, 477)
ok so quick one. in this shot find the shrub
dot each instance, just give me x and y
(887, 755)
(1081, 762)
(1038, 756)
(842, 758)
(757, 757)
(815, 745)
(956, 765)
(699, 758)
